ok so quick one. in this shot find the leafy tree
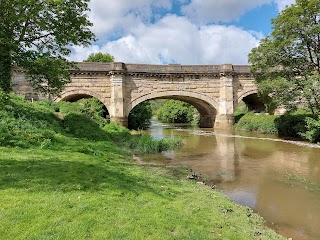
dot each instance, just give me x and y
(288, 61)
(100, 57)
(139, 117)
(35, 35)
(174, 111)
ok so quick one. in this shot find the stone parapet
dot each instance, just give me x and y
(160, 69)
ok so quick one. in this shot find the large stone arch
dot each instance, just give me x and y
(206, 106)
(67, 95)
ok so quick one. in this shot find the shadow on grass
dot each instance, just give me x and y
(66, 176)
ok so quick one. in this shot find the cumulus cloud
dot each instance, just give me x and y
(114, 18)
(175, 39)
(208, 11)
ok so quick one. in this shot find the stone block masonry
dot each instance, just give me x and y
(214, 90)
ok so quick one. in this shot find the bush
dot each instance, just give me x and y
(313, 129)
(292, 125)
(259, 123)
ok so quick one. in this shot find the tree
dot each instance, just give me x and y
(35, 35)
(139, 117)
(175, 111)
(100, 57)
(288, 61)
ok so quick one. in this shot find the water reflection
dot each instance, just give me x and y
(255, 173)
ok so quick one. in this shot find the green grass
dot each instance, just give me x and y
(103, 194)
(68, 178)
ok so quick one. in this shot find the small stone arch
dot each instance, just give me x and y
(206, 106)
(245, 94)
(252, 101)
(65, 96)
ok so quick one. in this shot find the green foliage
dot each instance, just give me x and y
(313, 129)
(47, 74)
(174, 111)
(139, 117)
(100, 57)
(23, 124)
(26, 124)
(118, 133)
(90, 107)
(298, 124)
(288, 61)
(292, 124)
(156, 105)
(144, 144)
(260, 123)
(36, 36)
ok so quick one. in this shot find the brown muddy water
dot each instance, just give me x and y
(279, 179)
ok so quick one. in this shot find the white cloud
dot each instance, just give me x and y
(175, 39)
(282, 4)
(115, 17)
(206, 11)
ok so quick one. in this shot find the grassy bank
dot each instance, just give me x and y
(65, 177)
(94, 190)
(298, 124)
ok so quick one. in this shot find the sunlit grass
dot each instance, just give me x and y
(100, 193)
(72, 179)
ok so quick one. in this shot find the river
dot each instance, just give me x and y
(278, 179)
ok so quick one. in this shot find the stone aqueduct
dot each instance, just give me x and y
(214, 90)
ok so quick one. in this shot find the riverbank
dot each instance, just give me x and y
(64, 177)
(299, 125)
(104, 194)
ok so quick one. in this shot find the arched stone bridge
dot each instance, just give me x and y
(214, 90)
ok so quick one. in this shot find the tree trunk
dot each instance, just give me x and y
(5, 68)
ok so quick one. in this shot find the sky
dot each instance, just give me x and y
(179, 31)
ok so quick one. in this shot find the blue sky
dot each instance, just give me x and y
(179, 31)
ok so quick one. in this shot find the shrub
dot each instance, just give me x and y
(257, 122)
(313, 129)
(292, 125)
